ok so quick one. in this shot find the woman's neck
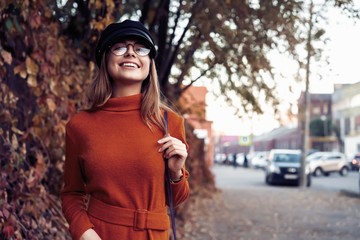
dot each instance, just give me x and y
(125, 90)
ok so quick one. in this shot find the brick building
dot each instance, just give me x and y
(193, 101)
(290, 137)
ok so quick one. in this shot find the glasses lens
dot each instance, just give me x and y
(141, 49)
(119, 49)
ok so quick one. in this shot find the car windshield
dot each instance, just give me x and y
(287, 157)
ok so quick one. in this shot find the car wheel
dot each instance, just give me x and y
(267, 180)
(344, 171)
(318, 172)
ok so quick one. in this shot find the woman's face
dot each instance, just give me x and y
(128, 63)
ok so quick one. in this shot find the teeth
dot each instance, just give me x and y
(129, 65)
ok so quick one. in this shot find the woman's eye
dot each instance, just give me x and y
(142, 51)
(119, 45)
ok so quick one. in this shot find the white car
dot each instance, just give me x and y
(259, 160)
(324, 163)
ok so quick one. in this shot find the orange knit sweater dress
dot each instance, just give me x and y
(112, 156)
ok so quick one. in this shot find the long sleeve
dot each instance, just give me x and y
(181, 190)
(73, 192)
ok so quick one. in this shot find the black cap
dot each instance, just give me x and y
(120, 30)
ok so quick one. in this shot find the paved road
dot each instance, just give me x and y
(237, 178)
(245, 208)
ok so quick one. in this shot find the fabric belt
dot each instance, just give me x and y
(139, 219)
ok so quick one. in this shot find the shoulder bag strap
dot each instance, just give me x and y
(168, 184)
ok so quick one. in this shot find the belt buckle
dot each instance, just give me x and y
(140, 219)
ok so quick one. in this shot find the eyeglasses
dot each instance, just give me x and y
(120, 49)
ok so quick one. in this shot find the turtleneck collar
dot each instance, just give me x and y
(122, 104)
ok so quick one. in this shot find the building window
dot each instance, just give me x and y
(316, 110)
(325, 109)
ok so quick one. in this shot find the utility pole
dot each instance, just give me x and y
(306, 131)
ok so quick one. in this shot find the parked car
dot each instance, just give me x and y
(324, 163)
(355, 162)
(259, 160)
(219, 157)
(240, 159)
(283, 166)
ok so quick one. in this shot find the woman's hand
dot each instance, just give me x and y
(175, 151)
(90, 234)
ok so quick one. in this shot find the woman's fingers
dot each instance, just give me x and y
(171, 143)
(175, 151)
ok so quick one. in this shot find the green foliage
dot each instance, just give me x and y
(320, 128)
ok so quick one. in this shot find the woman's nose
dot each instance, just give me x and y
(130, 50)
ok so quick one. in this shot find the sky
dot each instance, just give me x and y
(343, 52)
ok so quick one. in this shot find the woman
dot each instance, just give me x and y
(114, 182)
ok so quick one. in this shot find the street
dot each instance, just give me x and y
(228, 177)
(246, 208)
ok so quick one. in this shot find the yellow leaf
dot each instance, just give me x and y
(23, 149)
(36, 120)
(6, 56)
(91, 66)
(14, 142)
(98, 5)
(51, 104)
(53, 87)
(31, 81)
(40, 164)
(31, 67)
(21, 70)
(37, 92)
(37, 131)
(98, 25)
(18, 131)
(60, 127)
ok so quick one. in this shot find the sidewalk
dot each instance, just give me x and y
(274, 213)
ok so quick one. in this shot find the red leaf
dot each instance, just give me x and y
(8, 231)
(35, 20)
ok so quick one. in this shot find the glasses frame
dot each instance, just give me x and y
(143, 46)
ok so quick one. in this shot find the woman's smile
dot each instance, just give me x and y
(129, 65)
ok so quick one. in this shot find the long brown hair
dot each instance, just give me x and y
(151, 103)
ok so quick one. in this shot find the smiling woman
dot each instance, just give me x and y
(115, 150)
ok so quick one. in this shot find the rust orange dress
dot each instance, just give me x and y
(112, 156)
